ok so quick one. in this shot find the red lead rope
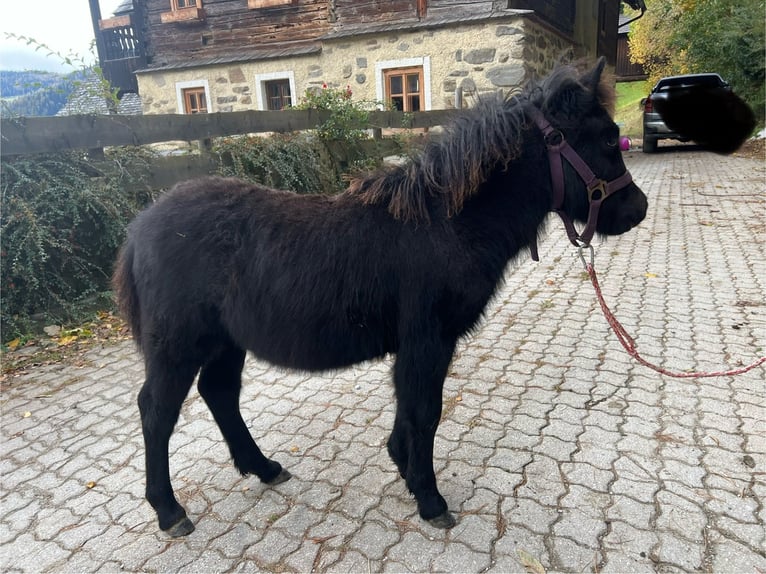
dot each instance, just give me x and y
(630, 345)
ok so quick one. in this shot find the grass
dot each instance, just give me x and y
(627, 112)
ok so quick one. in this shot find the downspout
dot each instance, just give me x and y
(636, 5)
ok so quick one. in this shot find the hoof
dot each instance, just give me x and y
(283, 476)
(181, 528)
(443, 521)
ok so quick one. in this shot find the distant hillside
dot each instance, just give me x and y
(35, 93)
(21, 83)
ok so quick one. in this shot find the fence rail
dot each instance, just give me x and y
(21, 136)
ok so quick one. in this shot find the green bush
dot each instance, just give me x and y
(345, 135)
(346, 117)
(316, 161)
(62, 223)
(282, 161)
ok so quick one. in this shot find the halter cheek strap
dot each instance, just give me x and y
(598, 189)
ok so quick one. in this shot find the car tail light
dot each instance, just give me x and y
(648, 106)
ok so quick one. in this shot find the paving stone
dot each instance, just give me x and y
(416, 552)
(629, 549)
(374, 539)
(733, 557)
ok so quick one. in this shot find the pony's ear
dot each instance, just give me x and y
(592, 78)
(571, 97)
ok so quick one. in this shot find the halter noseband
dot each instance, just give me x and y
(598, 189)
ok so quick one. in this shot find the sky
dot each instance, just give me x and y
(63, 25)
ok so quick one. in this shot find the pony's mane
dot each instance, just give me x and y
(453, 165)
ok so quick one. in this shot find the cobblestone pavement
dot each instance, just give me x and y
(556, 451)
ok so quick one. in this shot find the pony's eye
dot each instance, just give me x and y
(611, 142)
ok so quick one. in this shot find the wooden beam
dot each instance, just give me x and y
(51, 134)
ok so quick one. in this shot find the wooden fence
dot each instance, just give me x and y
(23, 136)
(35, 135)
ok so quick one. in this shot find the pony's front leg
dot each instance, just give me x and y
(419, 374)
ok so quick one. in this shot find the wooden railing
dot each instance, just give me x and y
(22, 136)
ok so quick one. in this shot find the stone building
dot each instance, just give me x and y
(232, 55)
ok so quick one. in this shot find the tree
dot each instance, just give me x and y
(691, 36)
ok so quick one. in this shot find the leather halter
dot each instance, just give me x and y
(598, 189)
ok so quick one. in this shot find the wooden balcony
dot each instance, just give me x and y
(122, 52)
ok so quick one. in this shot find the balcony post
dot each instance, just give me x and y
(95, 16)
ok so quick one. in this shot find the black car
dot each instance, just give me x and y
(654, 127)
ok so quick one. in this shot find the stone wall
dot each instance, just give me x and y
(482, 57)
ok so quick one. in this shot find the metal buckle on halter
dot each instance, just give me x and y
(554, 138)
(597, 190)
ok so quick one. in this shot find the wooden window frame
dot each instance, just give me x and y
(382, 66)
(183, 13)
(257, 4)
(261, 92)
(406, 95)
(189, 107)
(183, 89)
(281, 82)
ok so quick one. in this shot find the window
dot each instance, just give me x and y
(404, 88)
(274, 90)
(193, 97)
(405, 83)
(195, 101)
(181, 10)
(266, 3)
(277, 94)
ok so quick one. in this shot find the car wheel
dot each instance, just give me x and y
(650, 144)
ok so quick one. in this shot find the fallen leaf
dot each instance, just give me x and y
(13, 344)
(294, 448)
(90, 484)
(650, 275)
(27, 414)
(67, 340)
(531, 564)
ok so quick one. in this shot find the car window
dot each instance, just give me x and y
(709, 81)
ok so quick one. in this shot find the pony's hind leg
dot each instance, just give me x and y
(220, 384)
(159, 403)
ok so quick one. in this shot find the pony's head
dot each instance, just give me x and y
(578, 109)
(476, 150)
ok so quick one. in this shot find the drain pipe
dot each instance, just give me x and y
(636, 5)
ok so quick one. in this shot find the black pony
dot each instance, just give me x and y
(403, 262)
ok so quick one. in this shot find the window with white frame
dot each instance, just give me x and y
(193, 97)
(275, 90)
(404, 84)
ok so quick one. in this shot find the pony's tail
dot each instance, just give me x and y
(126, 295)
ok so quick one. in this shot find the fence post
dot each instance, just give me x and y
(459, 98)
